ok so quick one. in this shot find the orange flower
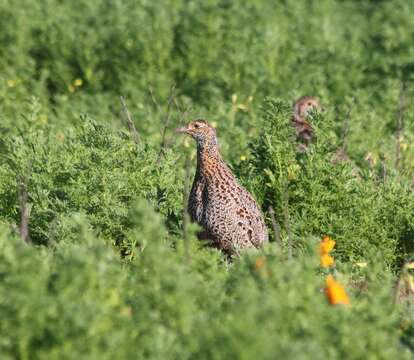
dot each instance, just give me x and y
(260, 262)
(335, 292)
(326, 245)
(327, 260)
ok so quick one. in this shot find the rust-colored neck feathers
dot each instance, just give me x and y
(208, 155)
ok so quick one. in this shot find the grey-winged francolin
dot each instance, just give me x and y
(230, 216)
(301, 110)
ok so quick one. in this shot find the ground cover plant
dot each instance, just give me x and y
(107, 266)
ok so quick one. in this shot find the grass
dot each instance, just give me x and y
(107, 271)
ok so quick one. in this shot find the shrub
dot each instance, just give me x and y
(327, 197)
(109, 274)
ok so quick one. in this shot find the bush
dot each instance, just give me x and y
(81, 300)
(327, 196)
(108, 274)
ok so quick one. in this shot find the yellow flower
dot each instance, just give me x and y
(43, 119)
(335, 292)
(327, 260)
(259, 262)
(326, 245)
(78, 82)
(243, 157)
(242, 107)
(362, 264)
(234, 98)
(71, 88)
(126, 311)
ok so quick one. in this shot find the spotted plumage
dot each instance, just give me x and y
(228, 213)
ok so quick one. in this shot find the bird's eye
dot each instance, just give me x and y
(309, 103)
(196, 126)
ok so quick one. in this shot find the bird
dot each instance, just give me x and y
(302, 108)
(228, 213)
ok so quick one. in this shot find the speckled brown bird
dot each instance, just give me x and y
(304, 131)
(230, 216)
(301, 110)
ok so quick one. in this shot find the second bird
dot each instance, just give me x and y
(230, 216)
(301, 111)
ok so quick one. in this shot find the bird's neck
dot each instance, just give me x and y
(208, 156)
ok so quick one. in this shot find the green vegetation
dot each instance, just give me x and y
(107, 274)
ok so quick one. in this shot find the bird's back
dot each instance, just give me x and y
(226, 209)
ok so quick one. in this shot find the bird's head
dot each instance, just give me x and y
(200, 130)
(304, 106)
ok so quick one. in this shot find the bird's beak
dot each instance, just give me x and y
(182, 130)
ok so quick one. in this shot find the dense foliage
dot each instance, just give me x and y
(108, 274)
